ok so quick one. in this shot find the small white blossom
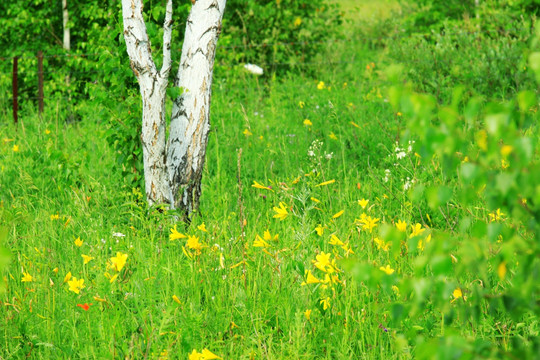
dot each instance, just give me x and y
(407, 184)
(386, 175)
(118, 234)
(254, 69)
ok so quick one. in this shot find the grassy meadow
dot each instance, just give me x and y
(310, 242)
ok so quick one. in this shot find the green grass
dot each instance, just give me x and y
(238, 300)
(365, 10)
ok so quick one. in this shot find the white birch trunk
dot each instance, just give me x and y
(173, 172)
(65, 20)
(190, 121)
(153, 86)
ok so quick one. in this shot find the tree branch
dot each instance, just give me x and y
(167, 34)
(137, 42)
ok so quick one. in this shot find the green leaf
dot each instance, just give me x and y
(438, 196)
(174, 92)
(534, 64)
(504, 182)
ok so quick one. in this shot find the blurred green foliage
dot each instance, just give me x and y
(277, 35)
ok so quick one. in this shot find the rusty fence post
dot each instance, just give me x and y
(40, 81)
(15, 90)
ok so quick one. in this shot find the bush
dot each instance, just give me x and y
(278, 35)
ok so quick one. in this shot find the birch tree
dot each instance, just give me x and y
(173, 167)
(65, 19)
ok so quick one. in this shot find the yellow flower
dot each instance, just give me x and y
(367, 222)
(301, 104)
(504, 164)
(111, 279)
(204, 355)
(496, 216)
(193, 243)
(325, 303)
(87, 259)
(76, 285)
(501, 270)
(47, 131)
(247, 133)
(15, 148)
(78, 242)
(315, 200)
(347, 248)
(338, 214)
(388, 270)
(118, 261)
(27, 277)
(176, 299)
(259, 242)
(308, 122)
(399, 114)
(334, 240)
(395, 289)
(55, 217)
(202, 227)
(457, 293)
(332, 136)
(322, 261)
(326, 183)
(260, 186)
(268, 237)
(416, 230)
(281, 211)
(307, 314)
(175, 235)
(320, 85)
(297, 22)
(67, 277)
(363, 203)
(381, 245)
(481, 139)
(401, 226)
(310, 279)
(506, 150)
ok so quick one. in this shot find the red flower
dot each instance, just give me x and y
(85, 307)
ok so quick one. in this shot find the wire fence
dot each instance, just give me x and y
(92, 71)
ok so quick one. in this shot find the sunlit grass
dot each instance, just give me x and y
(307, 243)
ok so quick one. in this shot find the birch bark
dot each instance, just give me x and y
(65, 20)
(173, 170)
(153, 86)
(190, 121)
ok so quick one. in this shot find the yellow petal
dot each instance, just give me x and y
(326, 183)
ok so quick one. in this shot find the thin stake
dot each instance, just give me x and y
(40, 81)
(15, 90)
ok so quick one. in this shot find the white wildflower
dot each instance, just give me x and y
(254, 69)
(386, 175)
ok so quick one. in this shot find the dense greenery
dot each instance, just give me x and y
(377, 199)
